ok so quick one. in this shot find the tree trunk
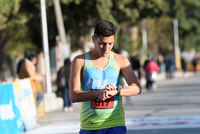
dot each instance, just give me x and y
(120, 42)
(3, 64)
(82, 38)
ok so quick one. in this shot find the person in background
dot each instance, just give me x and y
(94, 81)
(161, 64)
(184, 66)
(135, 63)
(63, 85)
(28, 70)
(172, 66)
(194, 63)
(167, 65)
(145, 63)
(151, 68)
(22, 61)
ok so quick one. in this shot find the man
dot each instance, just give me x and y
(94, 80)
(28, 71)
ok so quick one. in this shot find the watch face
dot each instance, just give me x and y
(118, 93)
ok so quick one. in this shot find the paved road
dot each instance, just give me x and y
(174, 107)
(175, 100)
(172, 97)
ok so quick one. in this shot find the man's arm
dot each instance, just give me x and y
(76, 72)
(133, 87)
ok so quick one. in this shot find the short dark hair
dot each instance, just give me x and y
(67, 61)
(104, 28)
(31, 57)
(27, 53)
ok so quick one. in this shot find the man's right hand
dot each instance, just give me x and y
(108, 92)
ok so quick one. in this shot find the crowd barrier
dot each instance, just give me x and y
(18, 112)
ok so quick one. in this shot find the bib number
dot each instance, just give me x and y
(108, 103)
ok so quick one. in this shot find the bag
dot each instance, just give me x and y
(61, 81)
(152, 76)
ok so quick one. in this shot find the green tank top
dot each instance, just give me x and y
(99, 115)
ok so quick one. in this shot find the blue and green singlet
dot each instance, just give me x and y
(109, 113)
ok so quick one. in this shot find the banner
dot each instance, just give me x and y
(10, 118)
(24, 94)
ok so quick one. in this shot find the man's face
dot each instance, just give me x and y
(103, 45)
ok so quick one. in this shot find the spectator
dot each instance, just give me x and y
(183, 64)
(22, 61)
(194, 63)
(161, 64)
(135, 64)
(167, 64)
(151, 68)
(172, 67)
(28, 71)
(63, 85)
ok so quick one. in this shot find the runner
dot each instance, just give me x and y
(94, 80)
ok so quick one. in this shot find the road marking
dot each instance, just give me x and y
(163, 122)
(169, 122)
(67, 127)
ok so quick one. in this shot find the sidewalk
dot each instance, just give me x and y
(161, 76)
(69, 122)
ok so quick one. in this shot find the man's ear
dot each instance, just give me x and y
(93, 38)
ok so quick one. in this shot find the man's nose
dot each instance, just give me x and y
(106, 46)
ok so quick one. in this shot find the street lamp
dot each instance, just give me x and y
(45, 45)
(176, 45)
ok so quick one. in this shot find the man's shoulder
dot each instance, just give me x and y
(79, 57)
(121, 60)
(119, 57)
(79, 60)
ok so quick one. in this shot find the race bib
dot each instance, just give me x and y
(108, 103)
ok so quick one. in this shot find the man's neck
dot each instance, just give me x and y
(95, 55)
(99, 61)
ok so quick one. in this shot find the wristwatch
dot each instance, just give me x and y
(118, 91)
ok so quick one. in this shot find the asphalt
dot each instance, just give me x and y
(68, 122)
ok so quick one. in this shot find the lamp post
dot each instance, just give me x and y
(144, 34)
(176, 45)
(45, 45)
